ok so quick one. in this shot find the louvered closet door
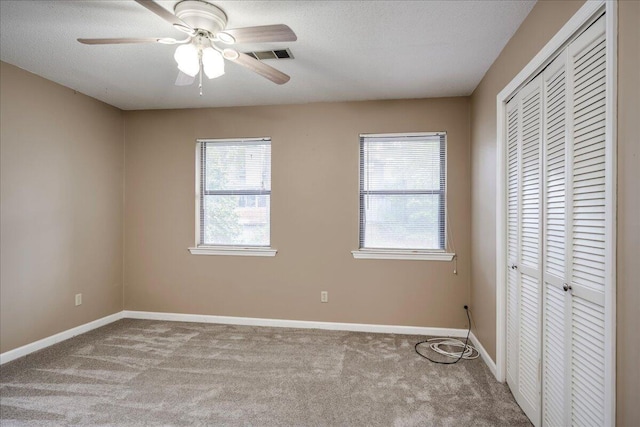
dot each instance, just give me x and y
(513, 232)
(588, 235)
(557, 239)
(530, 249)
(556, 303)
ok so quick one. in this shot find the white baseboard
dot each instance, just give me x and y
(10, 355)
(246, 321)
(302, 324)
(483, 353)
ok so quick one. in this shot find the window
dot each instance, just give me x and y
(234, 197)
(402, 195)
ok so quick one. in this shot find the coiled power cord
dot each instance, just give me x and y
(439, 345)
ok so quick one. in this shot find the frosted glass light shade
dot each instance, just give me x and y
(187, 58)
(213, 63)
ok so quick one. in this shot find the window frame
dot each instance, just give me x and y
(440, 254)
(201, 191)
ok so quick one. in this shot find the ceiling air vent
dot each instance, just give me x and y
(271, 54)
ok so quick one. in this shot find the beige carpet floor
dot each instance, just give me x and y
(139, 372)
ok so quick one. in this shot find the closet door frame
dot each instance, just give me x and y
(587, 14)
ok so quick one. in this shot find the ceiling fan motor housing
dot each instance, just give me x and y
(201, 15)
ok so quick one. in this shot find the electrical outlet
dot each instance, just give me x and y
(324, 296)
(78, 299)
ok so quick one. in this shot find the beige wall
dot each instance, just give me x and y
(628, 271)
(314, 217)
(543, 22)
(60, 207)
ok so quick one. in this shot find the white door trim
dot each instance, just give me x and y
(590, 10)
(611, 173)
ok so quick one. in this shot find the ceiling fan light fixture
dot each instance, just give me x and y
(186, 56)
(212, 62)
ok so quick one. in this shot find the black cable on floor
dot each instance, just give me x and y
(466, 343)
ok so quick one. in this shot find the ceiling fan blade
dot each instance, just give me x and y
(166, 15)
(256, 66)
(184, 79)
(262, 34)
(161, 40)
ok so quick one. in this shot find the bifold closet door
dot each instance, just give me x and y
(557, 239)
(513, 232)
(524, 279)
(574, 234)
(588, 234)
(556, 304)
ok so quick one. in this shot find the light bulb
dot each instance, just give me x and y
(187, 58)
(213, 63)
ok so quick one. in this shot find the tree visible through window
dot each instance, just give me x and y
(402, 191)
(235, 192)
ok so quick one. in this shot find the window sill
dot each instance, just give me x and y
(232, 250)
(402, 254)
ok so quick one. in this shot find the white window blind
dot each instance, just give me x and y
(234, 192)
(402, 191)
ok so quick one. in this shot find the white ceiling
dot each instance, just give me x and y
(346, 50)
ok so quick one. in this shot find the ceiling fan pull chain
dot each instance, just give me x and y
(200, 73)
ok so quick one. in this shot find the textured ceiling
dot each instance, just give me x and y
(346, 50)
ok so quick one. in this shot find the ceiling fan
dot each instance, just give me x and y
(205, 26)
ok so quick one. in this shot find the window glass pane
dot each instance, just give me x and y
(401, 164)
(238, 166)
(402, 221)
(227, 222)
